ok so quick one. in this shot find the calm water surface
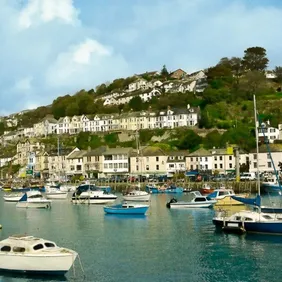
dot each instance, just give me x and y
(165, 245)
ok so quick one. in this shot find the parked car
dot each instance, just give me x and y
(248, 176)
(220, 177)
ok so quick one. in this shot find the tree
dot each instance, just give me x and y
(136, 103)
(212, 139)
(278, 73)
(72, 109)
(190, 141)
(255, 81)
(2, 128)
(255, 59)
(164, 72)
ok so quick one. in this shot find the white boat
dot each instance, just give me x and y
(33, 199)
(198, 201)
(29, 254)
(67, 188)
(92, 197)
(137, 195)
(55, 193)
(12, 197)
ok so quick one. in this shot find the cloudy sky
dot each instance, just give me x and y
(50, 48)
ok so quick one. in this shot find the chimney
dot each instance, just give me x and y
(188, 106)
(89, 149)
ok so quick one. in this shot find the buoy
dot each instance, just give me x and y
(0, 226)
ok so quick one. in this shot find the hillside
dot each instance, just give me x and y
(223, 92)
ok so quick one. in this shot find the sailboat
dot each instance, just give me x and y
(251, 221)
(136, 194)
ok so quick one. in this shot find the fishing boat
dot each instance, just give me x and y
(55, 193)
(33, 199)
(28, 254)
(165, 188)
(198, 201)
(271, 185)
(127, 208)
(12, 197)
(206, 189)
(87, 195)
(251, 221)
(224, 197)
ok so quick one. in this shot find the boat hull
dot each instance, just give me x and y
(190, 205)
(34, 204)
(136, 210)
(137, 198)
(14, 199)
(37, 264)
(155, 190)
(98, 201)
(57, 195)
(257, 227)
(271, 188)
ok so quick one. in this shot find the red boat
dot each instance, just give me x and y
(206, 189)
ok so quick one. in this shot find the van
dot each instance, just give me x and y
(248, 176)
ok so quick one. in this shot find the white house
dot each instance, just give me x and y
(148, 96)
(176, 162)
(110, 101)
(267, 133)
(270, 74)
(74, 163)
(46, 127)
(63, 125)
(139, 84)
(116, 161)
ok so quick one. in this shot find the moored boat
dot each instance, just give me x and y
(85, 195)
(12, 197)
(55, 193)
(33, 199)
(28, 254)
(127, 208)
(156, 189)
(198, 201)
(206, 189)
(224, 197)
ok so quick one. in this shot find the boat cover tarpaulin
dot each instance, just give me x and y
(249, 201)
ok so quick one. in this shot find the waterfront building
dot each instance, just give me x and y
(46, 127)
(74, 163)
(267, 133)
(149, 160)
(176, 162)
(116, 161)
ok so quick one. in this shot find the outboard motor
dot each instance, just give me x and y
(173, 200)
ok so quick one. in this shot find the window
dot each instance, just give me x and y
(268, 156)
(38, 247)
(215, 158)
(191, 167)
(269, 164)
(106, 166)
(255, 165)
(206, 166)
(78, 167)
(230, 165)
(157, 167)
(110, 165)
(157, 159)
(215, 166)
(230, 158)
(221, 166)
(126, 165)
(220, 158)
(200, 158)
(120, 165)
(191, 159)
(171, 165)
(18, 249)
(147, 167)
(88, 159)
(206, 159)
(196, 159)
(255, 156)
(6, 249)
(115, 165)
(137, 168)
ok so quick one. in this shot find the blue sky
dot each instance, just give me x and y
(50, 48)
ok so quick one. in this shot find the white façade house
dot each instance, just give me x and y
(140, 83)
(148, 96)
(110, 101)
(46, 127)
(267, 133)
(63, 125)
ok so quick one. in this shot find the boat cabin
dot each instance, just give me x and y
(22, 244)
(221, 193)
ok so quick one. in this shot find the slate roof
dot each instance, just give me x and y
(149, 151)
(77, 154)
(96, 152)
(117, 151)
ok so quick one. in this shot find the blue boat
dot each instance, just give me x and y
(154, 189)
(127, 208)
(270, 185)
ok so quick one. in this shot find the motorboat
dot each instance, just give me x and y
(28, 254)
(206, 189)
(33, 199)
(198, 201)
(12, 197)
(224, 197)
(271, 185)
(127, 208)
(55, 193)
(86, 195)
(137, 195)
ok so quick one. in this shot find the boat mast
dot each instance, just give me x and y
(257, 147)
(138, 157)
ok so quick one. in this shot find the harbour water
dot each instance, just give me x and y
(165, 245)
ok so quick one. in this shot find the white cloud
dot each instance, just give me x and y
(87, 61)
(24, 84)
(37, 11)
